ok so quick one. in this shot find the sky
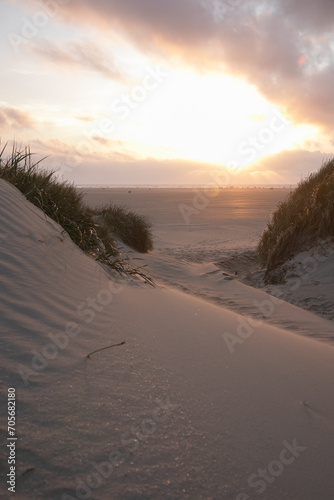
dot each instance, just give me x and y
(177, 92)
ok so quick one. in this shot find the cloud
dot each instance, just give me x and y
(133, 172)
(13, 118)
(103, 141)
(79, 55)
(284, 48)
(66, 158)
(117, 167)
(287, 166)
(117, 150)
(51, 146)
(311, 15)
(116, 164)
(86, 119)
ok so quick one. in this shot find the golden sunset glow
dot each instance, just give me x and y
(94, 98)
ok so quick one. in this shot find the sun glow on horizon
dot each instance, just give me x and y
(211, 118)
(153, 111)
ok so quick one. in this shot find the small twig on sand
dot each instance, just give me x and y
(103, 348)
(28, 470)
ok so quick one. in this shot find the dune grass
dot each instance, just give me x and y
(63, 203)
(132, 228)
(305, 218)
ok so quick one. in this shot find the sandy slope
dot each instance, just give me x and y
(216, 283)
(308, 280)
(200, 403)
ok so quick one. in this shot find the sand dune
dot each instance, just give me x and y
(202, 402)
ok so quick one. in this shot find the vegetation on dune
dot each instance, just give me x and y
(94, 231)
(305, 218)
(132, 228)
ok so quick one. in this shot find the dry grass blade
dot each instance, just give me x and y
(104, 348)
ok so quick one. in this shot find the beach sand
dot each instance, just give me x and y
(219, 231)
(221, 391)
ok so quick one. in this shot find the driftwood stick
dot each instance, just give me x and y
(103, 348)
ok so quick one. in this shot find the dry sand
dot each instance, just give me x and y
(202, 402)
(222, 228)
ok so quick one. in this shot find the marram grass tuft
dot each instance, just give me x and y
(300, 222)
(62, 202)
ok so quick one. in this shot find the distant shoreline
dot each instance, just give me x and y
(144, 186)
